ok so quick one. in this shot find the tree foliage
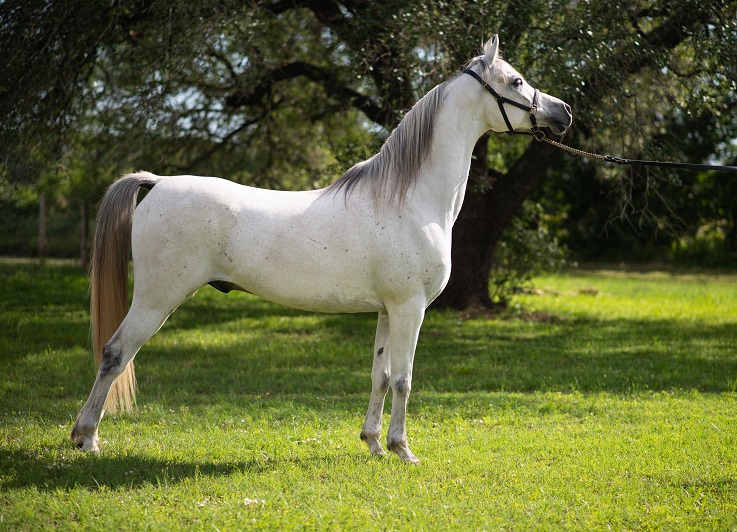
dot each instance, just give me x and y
(289, 93)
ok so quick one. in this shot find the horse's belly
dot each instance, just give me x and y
(332, 303)
(318, 293)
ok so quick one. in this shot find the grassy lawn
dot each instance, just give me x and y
(606, 401)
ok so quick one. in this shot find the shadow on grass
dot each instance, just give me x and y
(269, 349)
(618, 356)
(97, 472)
(34, 286)
(331, 355)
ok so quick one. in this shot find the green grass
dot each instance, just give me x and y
(606, 400)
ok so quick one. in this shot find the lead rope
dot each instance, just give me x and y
(569, 149)
(540, 135)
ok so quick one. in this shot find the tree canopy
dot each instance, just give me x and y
(289, 93)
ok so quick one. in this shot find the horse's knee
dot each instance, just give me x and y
(383, 381)
(401, 385)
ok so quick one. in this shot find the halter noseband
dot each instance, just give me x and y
(501, 100)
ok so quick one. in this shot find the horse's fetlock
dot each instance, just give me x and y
(372, 440)
(395, 443)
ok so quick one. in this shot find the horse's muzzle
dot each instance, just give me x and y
(562, 120)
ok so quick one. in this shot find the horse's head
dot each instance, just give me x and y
(515, 105)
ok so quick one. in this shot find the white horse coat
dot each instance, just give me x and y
(308, 250)
(378, 240)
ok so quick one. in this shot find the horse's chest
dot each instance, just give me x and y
(419, 260)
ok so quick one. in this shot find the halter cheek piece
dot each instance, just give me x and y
(535, 130)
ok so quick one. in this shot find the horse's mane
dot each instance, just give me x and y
(393, 170)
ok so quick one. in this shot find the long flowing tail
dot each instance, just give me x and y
(111, 249)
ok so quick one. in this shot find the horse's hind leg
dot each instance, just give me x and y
(140, 324)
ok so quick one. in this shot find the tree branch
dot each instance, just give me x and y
(216, 147)
(328, 12)
(254, 95)
(225, 61)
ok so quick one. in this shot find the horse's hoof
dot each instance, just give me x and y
(85, 443)
(408, 457)
(401, 449)
(374, 445)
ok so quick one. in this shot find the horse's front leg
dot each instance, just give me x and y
(380, 373)
(404, 325)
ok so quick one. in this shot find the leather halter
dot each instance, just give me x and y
(501, 100)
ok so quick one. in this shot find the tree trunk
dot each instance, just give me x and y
(486, 213)
(84, 246)
(471, 255)
(42, 226)
(469, 280)
(523, 178)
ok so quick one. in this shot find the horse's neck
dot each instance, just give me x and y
(445, 172)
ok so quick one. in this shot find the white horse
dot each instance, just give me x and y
(376, 240)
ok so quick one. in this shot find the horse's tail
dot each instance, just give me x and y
(111, 250)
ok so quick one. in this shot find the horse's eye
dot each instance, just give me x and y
(518, 82)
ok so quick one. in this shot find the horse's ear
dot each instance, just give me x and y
(491, 50)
